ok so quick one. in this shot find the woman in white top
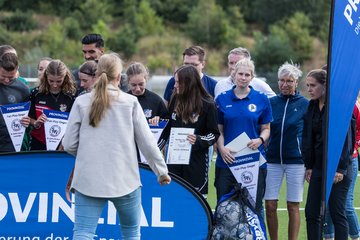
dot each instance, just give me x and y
(103, 130)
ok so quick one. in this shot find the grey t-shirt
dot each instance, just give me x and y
(15, 92)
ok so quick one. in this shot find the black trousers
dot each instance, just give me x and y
(336, 206)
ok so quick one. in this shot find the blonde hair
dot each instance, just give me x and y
(57, 68)
(108, 70)
(245, 62)
(137, 68)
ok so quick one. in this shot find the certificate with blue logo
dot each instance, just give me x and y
(55, 127)
(245, 168)
(12, 114)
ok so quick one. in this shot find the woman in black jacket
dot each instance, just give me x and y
(192, 107)
(312, 145)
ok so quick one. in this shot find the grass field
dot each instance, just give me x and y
(282, 212)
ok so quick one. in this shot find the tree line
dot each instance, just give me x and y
(157, 31)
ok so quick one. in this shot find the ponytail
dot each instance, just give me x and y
(108, 70)
(101, 101)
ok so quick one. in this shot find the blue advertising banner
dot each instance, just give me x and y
(344, 78)
(33, 205)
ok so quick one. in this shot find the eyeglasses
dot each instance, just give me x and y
(287, 82)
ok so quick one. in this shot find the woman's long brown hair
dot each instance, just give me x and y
(189, 100)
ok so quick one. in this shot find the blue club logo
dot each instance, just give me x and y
(16, 125)
(55, 131)
(247, 177)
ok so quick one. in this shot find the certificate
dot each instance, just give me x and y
(55, 127)
(179, 147)
(239, 143)
(12, 114)
(245, 168)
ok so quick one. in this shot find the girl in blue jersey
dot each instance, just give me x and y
(241, 109)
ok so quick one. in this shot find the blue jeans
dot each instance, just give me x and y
(349, 208)
(88, 211)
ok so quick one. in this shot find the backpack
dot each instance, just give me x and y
(235, 218)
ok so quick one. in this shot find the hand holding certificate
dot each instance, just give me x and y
(239, 143)
(234, 147)
(179, 146)
(226, 154)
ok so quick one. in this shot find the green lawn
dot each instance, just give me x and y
(282, 213)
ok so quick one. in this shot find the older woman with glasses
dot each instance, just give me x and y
(283, 151)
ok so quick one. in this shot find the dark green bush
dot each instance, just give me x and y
(19, 22)
(5, 37)
(271, 51)
(287, 40)
(72, 28)
(208, 24)
(124, 41)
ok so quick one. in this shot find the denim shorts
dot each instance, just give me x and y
(295, 177)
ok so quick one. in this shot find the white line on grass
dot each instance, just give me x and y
(284, 209)
(302, 209)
